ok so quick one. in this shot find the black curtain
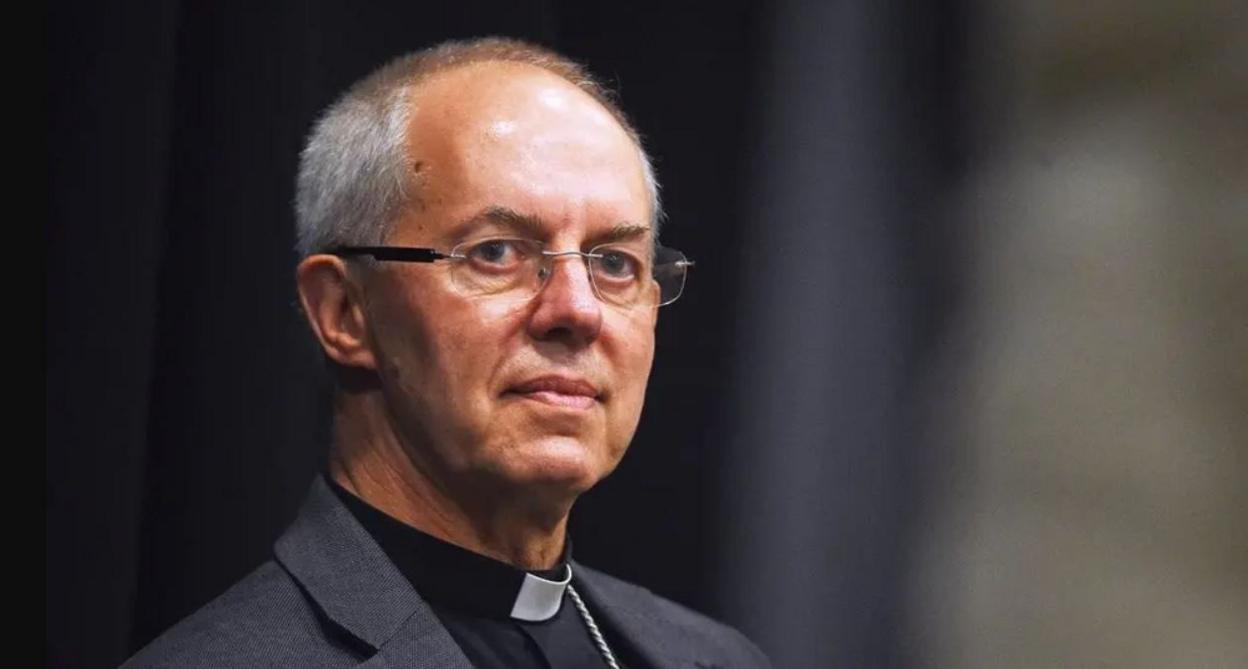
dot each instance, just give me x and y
(186, 406)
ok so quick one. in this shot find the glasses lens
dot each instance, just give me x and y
(618, 273)
(497, 266)
(516, 268)
(670, 268)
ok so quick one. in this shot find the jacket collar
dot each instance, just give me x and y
(355, 585)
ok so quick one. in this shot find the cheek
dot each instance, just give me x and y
(633, 359)
(639, 342)
(467, 342)
(424, 345)
(632, 368)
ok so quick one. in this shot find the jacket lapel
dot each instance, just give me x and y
(355, 585)
(631, 612)
(353, 582)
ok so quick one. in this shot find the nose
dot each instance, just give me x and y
(567, 308)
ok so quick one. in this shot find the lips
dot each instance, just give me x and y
(561, 391)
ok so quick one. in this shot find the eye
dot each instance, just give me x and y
(618, 266)
(497, 254)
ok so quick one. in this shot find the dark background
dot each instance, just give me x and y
(803, 149)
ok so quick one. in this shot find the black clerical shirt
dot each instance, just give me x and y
(475, 597)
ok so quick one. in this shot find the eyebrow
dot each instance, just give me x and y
(504, 217)
(622, 232)
(537, 228)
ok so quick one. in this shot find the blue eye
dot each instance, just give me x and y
(500, 255)
(491, 251)
(617, 265)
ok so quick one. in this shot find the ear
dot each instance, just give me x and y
(335, 310)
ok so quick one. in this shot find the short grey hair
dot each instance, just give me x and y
(354, 177)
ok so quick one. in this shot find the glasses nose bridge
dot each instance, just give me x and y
(555, 254)
(549, 258)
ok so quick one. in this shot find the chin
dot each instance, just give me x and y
(558, 463)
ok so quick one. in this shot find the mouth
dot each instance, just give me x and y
(559, 391)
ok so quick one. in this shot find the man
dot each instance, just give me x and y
(480, 267)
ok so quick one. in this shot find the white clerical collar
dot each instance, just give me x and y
(538, 598)
(452, 576)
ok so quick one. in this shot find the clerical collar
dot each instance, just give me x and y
(447, 575)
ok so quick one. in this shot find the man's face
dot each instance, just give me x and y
(543, 393)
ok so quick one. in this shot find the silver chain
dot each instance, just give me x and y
(594, 632)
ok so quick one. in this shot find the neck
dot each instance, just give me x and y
(370, 460)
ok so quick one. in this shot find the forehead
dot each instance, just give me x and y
(518, 137)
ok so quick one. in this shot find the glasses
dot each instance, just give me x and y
(623, 275)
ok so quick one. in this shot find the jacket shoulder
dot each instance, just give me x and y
(692, 629)
(262, 620)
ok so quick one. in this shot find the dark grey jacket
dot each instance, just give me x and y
(331, 598)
